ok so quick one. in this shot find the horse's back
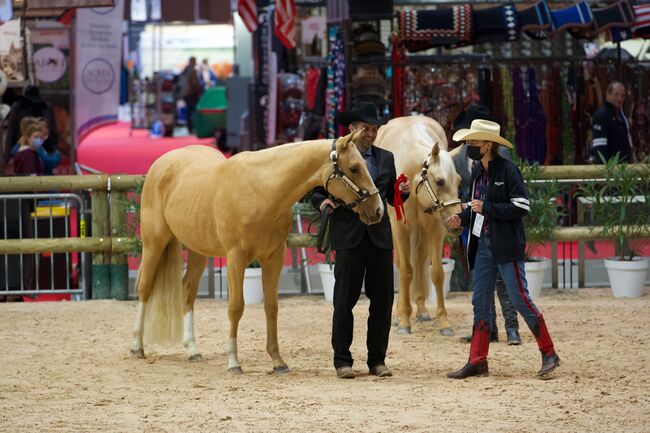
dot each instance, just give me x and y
(187, 159)
(402, 134)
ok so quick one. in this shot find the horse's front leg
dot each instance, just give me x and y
(438, 278)
(236, 265)
(401, 239)
(421, 276)
(271, 268)
(195, 266)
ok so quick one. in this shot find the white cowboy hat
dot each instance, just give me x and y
(482, 129)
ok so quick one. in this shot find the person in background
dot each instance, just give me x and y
(207, 75)
(610, 128)
(464, 165)
(191, 89)
(363, 252)
(496, 245)
(26, 160)
(30, 104)
(52, 159)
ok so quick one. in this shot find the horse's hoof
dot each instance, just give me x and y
(424, 317)
(138, 353)
(447, 332)
(195, 358)
(404, 330)
(235, 371)
(282, 369)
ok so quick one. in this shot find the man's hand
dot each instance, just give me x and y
(327, 202)
(405, 186)
(454, 221)
(477, 206)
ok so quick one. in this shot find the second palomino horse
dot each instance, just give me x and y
(420, 148)
(239, 208)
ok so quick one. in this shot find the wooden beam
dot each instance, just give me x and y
(49, 4)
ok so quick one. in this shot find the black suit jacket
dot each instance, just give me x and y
(347, 230)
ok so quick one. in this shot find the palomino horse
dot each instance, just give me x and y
(239, 208)
(419, 145)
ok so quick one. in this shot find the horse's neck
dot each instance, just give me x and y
(290, 171)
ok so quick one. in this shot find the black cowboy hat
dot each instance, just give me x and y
(362, 112)
(465, 118)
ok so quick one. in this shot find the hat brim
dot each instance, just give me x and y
(346, 117)
(466, 135)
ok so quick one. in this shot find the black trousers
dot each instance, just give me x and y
(352, 265)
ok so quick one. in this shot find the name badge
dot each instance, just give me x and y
(477, 229)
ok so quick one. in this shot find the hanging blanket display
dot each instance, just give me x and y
(536, 126)
(640, 26)
(496, 24)
(398, 57)
(424, 29)
(619, 15)
(335, 81)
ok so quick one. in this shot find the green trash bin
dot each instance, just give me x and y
(210, 113)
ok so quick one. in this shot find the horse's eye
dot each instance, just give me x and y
(440, 182)
(354, 170)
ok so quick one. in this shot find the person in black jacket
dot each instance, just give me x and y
(464, 166)
(610, 128)
(496, 244)
(30, 104)
(363, 252)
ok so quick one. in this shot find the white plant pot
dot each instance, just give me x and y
(535, 272)
(627, 278)
(327, 280)
(253, 290)
(448, 266)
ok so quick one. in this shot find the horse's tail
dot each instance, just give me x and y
(164, 309)
(421, 282)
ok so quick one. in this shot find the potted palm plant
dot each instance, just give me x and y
(620, 205)
(540, 222)
(253, 289)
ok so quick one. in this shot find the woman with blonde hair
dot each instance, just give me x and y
(26, 161)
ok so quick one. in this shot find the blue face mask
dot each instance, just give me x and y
(37, 143)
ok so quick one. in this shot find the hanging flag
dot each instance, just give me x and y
(247, 10)
(138, 10)
(285, 22)
(6, 11)
(156, 11)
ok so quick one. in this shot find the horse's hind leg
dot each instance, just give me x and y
(195, 266)
(271, 268)
(151, 253)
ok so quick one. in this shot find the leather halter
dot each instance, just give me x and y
(362, 194)
(436, 204)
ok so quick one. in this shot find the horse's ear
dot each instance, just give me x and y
(349, 139)
(435, 152)
(454, 153)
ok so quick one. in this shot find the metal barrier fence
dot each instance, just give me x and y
(109, 241)
(33, 217)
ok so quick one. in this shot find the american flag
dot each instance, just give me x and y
(247, 10)
(285, 22)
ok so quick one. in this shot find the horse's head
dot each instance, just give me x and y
(437, 184)
(350, 181)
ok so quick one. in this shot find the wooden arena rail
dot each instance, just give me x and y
(109, 242)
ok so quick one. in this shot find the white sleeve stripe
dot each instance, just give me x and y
(519, 200)
(599, 142)
(521, 205)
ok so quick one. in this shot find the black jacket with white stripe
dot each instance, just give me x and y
(506, 203)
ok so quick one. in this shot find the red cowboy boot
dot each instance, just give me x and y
(550, 360)
(477, 364)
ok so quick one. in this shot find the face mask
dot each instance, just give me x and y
(474, 153)
(37, 143)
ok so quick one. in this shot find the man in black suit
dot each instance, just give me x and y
(363, 251)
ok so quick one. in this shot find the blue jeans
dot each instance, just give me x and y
(514, 277)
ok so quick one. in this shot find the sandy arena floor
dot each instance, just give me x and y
(66, 368)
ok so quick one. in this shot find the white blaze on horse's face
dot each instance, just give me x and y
(370, 209)
(444, 181)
